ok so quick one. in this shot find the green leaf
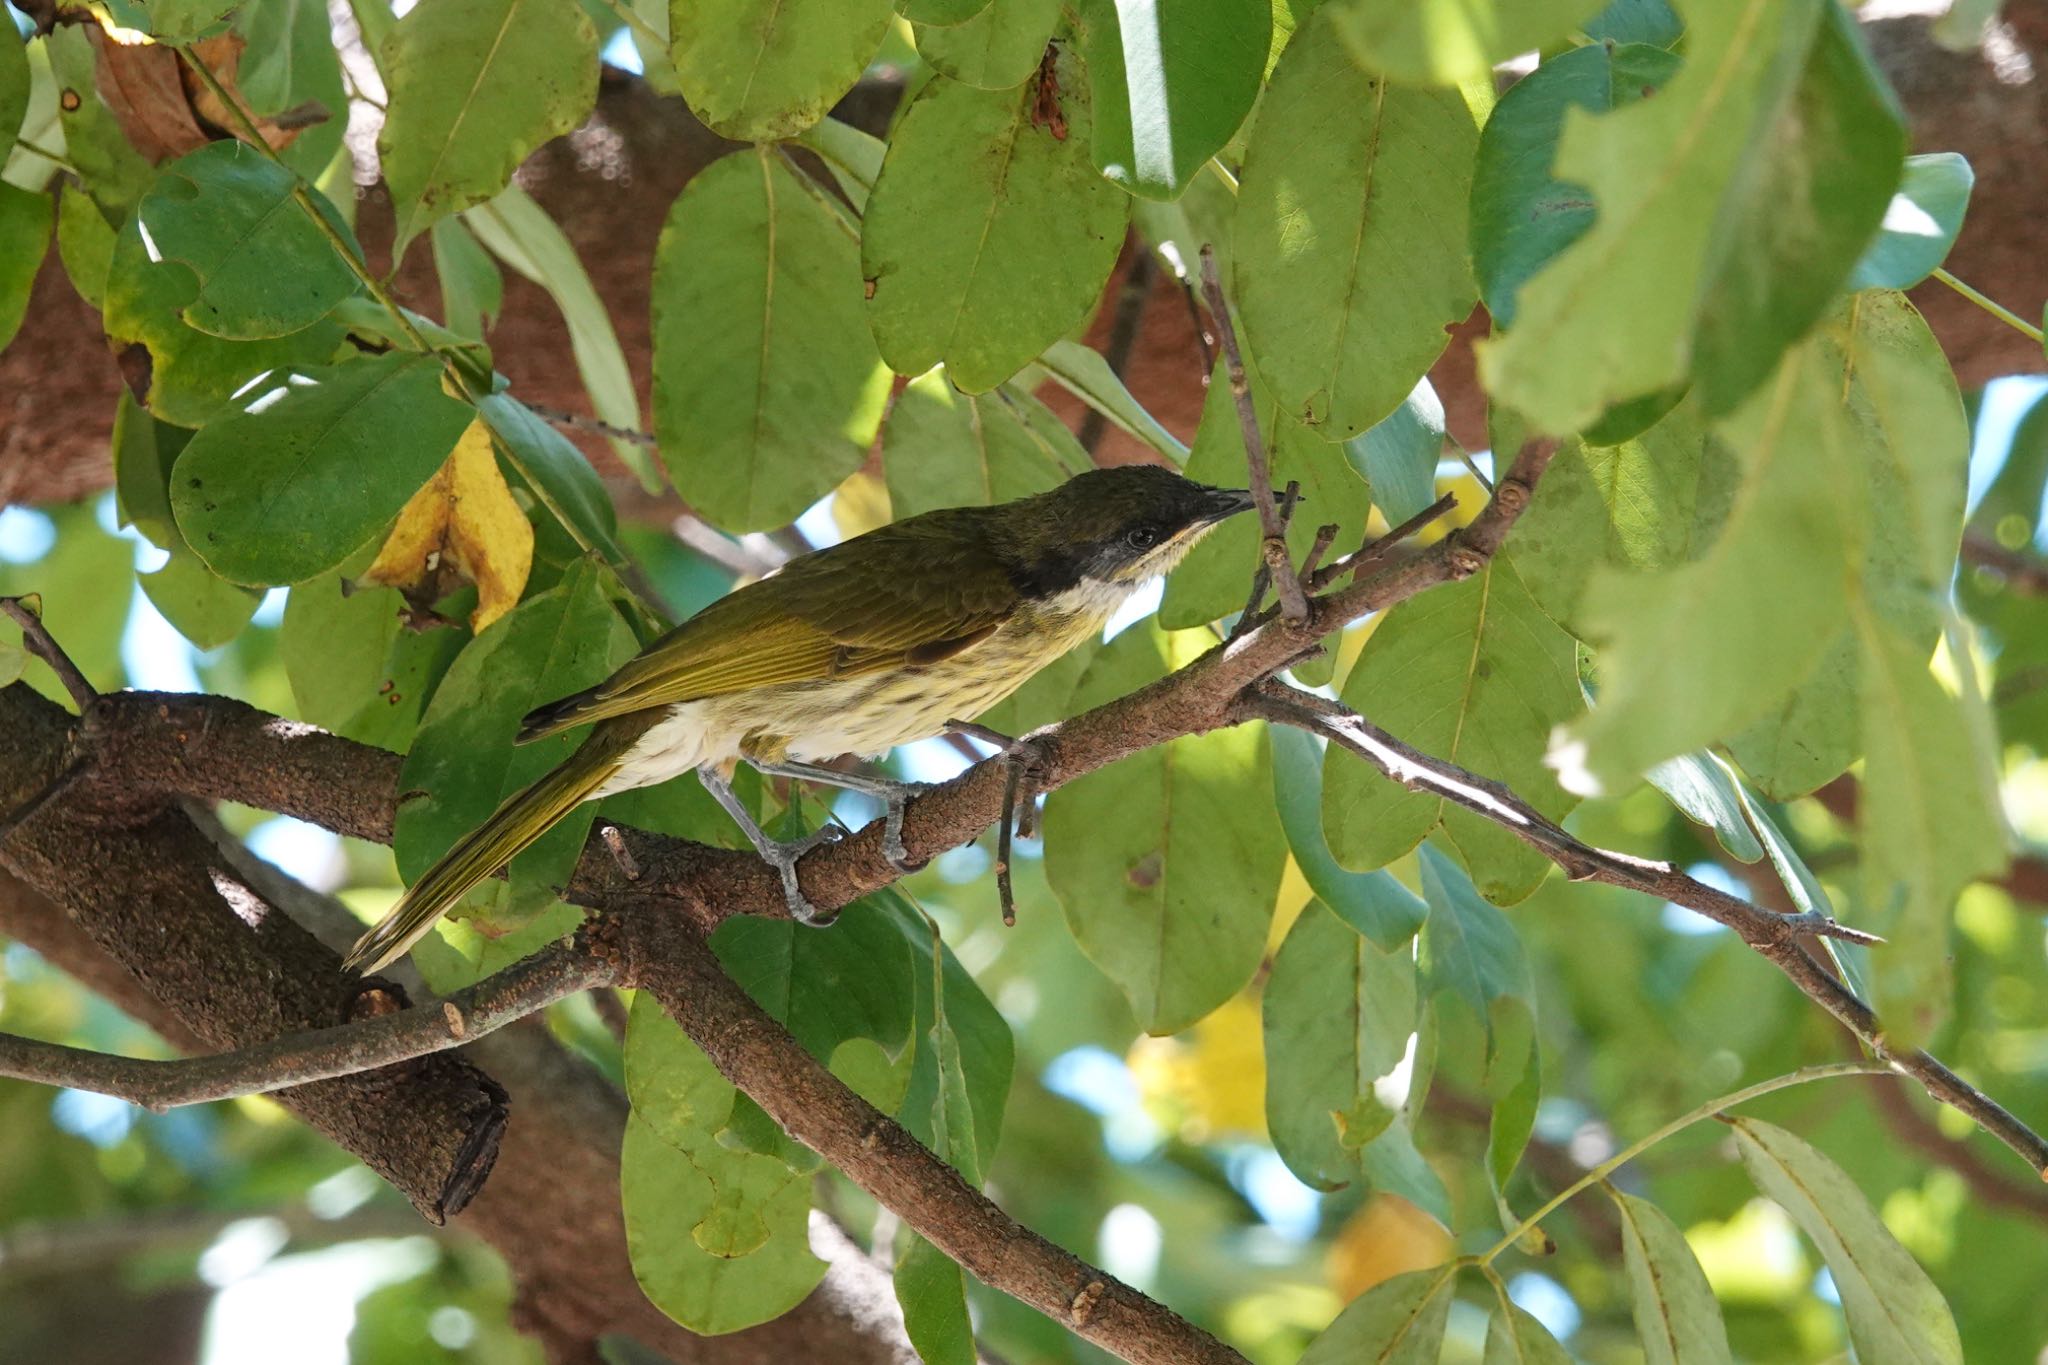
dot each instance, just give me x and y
(767, 388)
(1522, 216)
(1373, 903)
(227, 212)
(758, 70)
(997, 49)
(1730, 209)
(933, 1293)
(1398, 454)
(853, 157)
(943, 448)
(1397, 1322)
(1514, 1119)
(1166, 872)
(183, 375)
(14, 87)
(1515, 1338)
(1170, 84)
(1676, 1316)
(85, 241)
(112, 171)
(472, 289)
(558, 473)
(520, 233)
(1212, 581)
(25, 222)
(1851, 480)
(1895, 1312)
(206, 609)
(1651, 502)
(988, 236)
(719, 1237)
(1469, 950)
(475, 86)
(463, 757)
(825, 988)
(1708, 794)
(1929, 821)
(315, 463)
(1341, 1019)
(353, 667)
(290, 65)
(72, 578)
(1350, 245)
(1443, 42)
(1476, 674)
(13, 659)
(1920, 225)
(1635, 21)
(941, 12)
(1083, 372)
(170, 21)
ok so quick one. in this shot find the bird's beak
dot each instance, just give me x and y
(1228, 502)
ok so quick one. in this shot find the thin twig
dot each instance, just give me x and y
(1262, 576)
(1997, 310)
(1326, 535)
(297, 1058)
(26, 612)
(572, 421)
(2023, 573)
(1372, 551)
(1272, 530)
(1776, 936)
(757, 1054)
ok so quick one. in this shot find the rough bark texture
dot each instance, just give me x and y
(138, 901)
(610, 185)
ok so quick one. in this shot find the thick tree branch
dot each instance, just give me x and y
(2023, 573)
(1777, 936)
(670, 959)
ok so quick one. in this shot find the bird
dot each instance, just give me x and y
(877, 641)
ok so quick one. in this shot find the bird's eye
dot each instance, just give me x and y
(1142, 537)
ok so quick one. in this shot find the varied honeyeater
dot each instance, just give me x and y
(854, 649)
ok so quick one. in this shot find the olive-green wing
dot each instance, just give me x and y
(915, 592)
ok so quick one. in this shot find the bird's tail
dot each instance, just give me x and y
(522, 818)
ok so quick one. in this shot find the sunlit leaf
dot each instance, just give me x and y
(1920, 224)
(1676, 1316)
(475, 86)
(1447, 41)
(758, 70)
(767, 388)
(1895, 1312)
(1350, 252)
(998, 48)
(989, 233)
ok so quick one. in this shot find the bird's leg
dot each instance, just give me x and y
(1026, 764)
(891, 792)
(774, 852)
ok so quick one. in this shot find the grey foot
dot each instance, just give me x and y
(893, 794)
(777, 854)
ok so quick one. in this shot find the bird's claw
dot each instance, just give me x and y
(894, 850)
(783, 857)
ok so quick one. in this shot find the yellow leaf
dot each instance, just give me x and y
(1209, 1082)
(463, 526)
(1387, 1237)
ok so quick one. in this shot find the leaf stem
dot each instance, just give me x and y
(1997, 310)
(33, 148)
(1706, 1111)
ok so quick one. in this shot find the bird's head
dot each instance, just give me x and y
(1120, 525)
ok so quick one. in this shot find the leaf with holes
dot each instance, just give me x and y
(313, 465)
